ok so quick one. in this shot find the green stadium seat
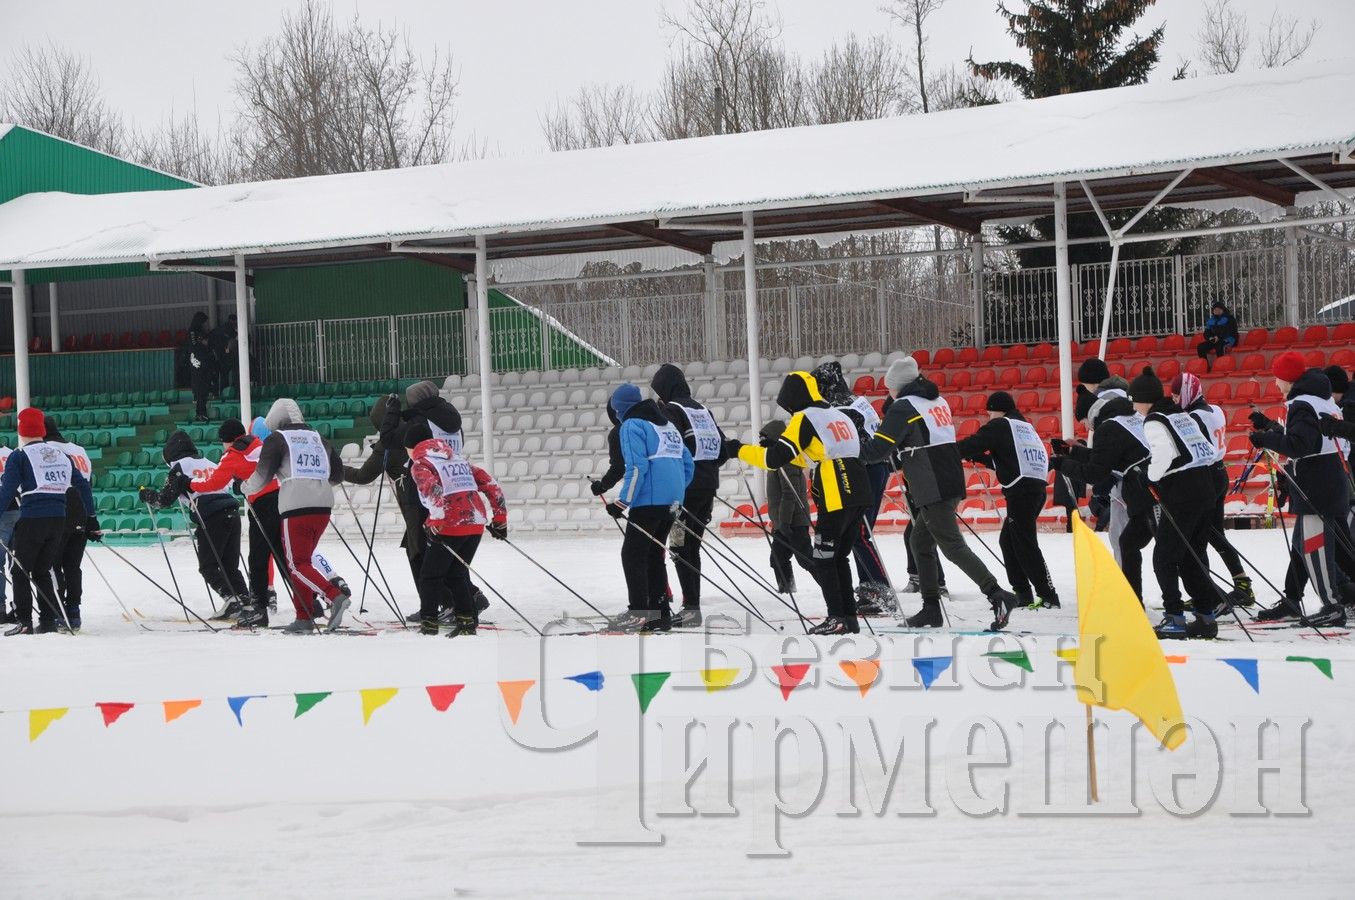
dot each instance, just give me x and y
(141, 458)
(103, 439)
(144, 523)
(120, 419)
(106, 503)
(161, 435)
(137, 417)
(124, 458)
(124, 481)
(119, 398)
(127, 502)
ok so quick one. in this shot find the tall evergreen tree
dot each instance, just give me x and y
(1080, 45)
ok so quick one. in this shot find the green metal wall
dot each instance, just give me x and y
(83, 373)
(388, 288)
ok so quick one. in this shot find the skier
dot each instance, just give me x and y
(450, 487)
(215, 517)
(788, 510)
(628, 395)
(1180, 461)
(826, 439)
(1009, 445)
(705, 442)
(8, 519)
(306, 467)
(874, 594)
(39, 475)
(918, 427)
(1190, 396)
(1116, 454)
(69, 583)
(658, 470)
(1319, 489)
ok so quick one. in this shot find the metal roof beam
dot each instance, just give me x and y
(698, 245)
(1247, 184)
(1316, 182)
(933, 213)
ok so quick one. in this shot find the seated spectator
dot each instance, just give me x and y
(1220, 334)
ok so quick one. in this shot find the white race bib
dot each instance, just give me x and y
(1324, 407)
(77, 455)
(670, 442)
(940, 423)
(1031, 456)
(705, 432)
(868, 414)
(455, 438)
(308, 455)
(1214, 424)
(51, 468)
(1198, 447)
(836, 432)
(198, 471)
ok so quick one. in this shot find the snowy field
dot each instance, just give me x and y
(582, 796)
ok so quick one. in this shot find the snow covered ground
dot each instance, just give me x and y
(577, 798)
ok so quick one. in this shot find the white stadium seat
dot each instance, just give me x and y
(574, 443)
(536, 400)
(531, 377)
(553, 443)
(516, 400)
(548, 491)
(587, 419)
(716, 369)
(509, 379)
(531, 444)
(518, 469)
(524, 491)
(510, 446)
(594, 444)
(557, 399)
(632, 373)
(578, 398)
(737, 367)
(543, 422)
(565, 421)
(781, 365)
(540, 468)
(561, 467)
(695, 370)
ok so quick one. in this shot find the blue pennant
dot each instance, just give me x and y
(1247, 669)
(930, 668)
(238, 703)
(591, 680)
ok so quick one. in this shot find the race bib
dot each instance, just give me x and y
(198, 471)
(309, 458)
(940, 423)
(51, 468)
(705, 432)
(836, 432)
(1199, 447)
(868, 414)
(670, 442)
(1031, 456)
(456, 439)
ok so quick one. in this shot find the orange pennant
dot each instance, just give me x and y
(1178, 660)
(513, 692)
(176, 708)
(862, 671)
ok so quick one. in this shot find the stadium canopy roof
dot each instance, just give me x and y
(1237, 135)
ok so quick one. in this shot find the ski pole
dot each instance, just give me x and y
(34, 586)
(369, 542)
(135, 568)
(155, 526)
(771, 545)
(279, 560)
(115, 594)
(531, 559)
(220, 564)
(616, 522)
(970, 529)
(390, 601)
(470, 569)
(371, 547)
(1258, 572)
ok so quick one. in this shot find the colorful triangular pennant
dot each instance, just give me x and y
(39, 719)
(113, 711)
(862, 672)
(930, 667)
(442, 695)
(789, 677)
(306, 702)
(718, 679)
(1018, 658)
(591, 680)
(176, 708)
(373, 699)
(1323, 665)
(647, 684)
(1248, 670)
(513, 692)
(237, 704)
(1176, 660)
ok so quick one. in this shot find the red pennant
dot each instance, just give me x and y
(113, 711)
(442, 695)
(790, 677)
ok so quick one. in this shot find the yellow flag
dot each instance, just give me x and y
(718, 679)
(373, 699)
(1120, 664)
(39, 719)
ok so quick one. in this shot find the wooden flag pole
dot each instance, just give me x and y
(1091, 755)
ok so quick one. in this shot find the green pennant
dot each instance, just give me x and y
(647, 684)
(1015, 657)
(1323, 665)
(306, 702)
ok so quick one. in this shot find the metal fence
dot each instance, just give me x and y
(424, 345)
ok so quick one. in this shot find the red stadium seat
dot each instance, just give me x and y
(936, 378)
(1270, 393)
(1119, 347)
(70, 343)
(967, 356)
(1048, 426)
(1315, 359)
(1220, 392)
(1252, 363)
(1225, 364)
(975, 404)
(1239, 446)
(923, 357)
(1043, 351)
(1146, 344)
(164, 339)
(1314, 335)
(1036, 375)
(91, 342)
(107, 342)
(864, 385)
(1276, 413)
(1017, 352)
(145, 340)
(991, 355)
(967, 428)
(126, 340)
(1028, 400)
(6, 404)
(1090, 348)
(1197, 366)
(1050, 401)
(1117, 369)
(1285, 336)
(1247, 392)
(1256, 338)
(1239, 419)
(961, 380)
(1174, 343)
(1010, 377)
(1168, 369)
(878, 405)
(944, 357)
(1345, 358)
(985, 378)
(1344, 333)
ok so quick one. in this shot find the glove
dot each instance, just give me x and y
(146, 495)
(193, 360)
(1330, 426)
(616, 510)
(731, 447)
(93, 531)
(1258, 439)
(597, 488)
(498, 530)
(1260, 421)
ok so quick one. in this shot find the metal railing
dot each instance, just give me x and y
(422, 345)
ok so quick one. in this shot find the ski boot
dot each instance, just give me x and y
(481, 601)
(47, 626)
(73, 615)
(837, 625)
(337, 609)
(941, 589)
(300, 626)
(463, 626)
(928, 617)
(272, 600)
(629, 621)
(912, 586)
(318, 607)
(429, 627)
(447, 616)
(1172, 628)
(785, 584)
(254, 617)
(1003, 602)
(662, 622)
(342, 585)
(232, 609)
(18, 629)
(1202, 628)
(688, 617)
(875, 598)
(1331, 615)
(1242, 593)
(1050, 602)
(1285, 609)
(7, 616)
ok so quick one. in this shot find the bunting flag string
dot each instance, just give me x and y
(647, 684)
(1323, 665)
(929, 668)
(113, 711)
(862, 672)
(591, 680)
(237, 704)
(40, 719)
(442, 695)
(306, 702)
(176, 708)
(718, 679)
(1248, 670)
(1018, 658)
(375, 698)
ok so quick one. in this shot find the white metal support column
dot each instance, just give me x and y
(242, 325)
(1291, 270)
(976, 287)
(714, 323)
(1065, 307)
(750, 313)
(19, 290)
(486, 359)
(53, 319)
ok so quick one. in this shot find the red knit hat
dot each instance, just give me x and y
(1288, 366)
(32, 423)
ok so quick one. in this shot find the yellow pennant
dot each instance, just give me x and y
(39, 719)
(718, 679)
(373, 699)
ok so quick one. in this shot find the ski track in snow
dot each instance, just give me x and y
(428, 804)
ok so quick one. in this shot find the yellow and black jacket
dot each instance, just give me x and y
(839, 478)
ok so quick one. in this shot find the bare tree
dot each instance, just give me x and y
(1224, 38)
(598, 116)
(53, 90)
(317, 98)
(913, 15)
(1285, 40)
(953, 88)
(181, 146)
(858, 80)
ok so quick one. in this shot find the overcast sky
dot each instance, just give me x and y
(517, 56)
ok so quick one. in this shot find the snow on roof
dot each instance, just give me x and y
(1303, 108)
(4, 129)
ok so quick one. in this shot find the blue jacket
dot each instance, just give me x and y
(652, 481)
(19, 480)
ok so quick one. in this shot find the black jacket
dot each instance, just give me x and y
(1321, 479)
(180, 446)
(378, 460)
(1114, 449)
(994, 446)
(616, 462)
(675, 398)
(933, 473)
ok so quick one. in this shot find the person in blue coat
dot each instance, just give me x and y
(658, 469)
(39, 474)
(1220, 334)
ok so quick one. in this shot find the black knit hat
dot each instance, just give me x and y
(1000, 401)
(1083, 403)
(1146, 387)
(229, 431)
(1093, 371)
(1340, 381)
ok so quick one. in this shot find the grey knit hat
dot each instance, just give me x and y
(420, 391)
(901, 372)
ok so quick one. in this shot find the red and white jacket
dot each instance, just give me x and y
(450, 488)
